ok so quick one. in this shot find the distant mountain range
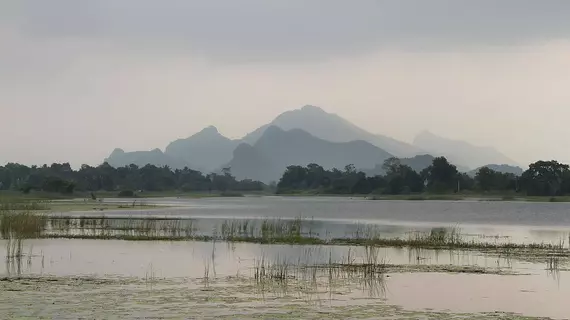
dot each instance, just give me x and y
(276, 149)
(331, 127)
(205, 151)
(460, 152)
(302, 136)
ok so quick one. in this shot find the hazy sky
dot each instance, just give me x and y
(79, 78)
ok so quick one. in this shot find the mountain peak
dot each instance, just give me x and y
(277, 149)
(209, 130)
(205, 150)
(311, 108)
(332, 127)
(118, 151)
(425, 133)
(273, 129)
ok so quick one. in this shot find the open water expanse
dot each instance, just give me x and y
(358, 209)
(101, 279)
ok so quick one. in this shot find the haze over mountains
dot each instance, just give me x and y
(120, 158)
(460, 152)
(331, 127)
(276, 149)
(205, 151)
(303, 136)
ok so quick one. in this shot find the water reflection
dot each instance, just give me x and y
(315, 274)
(502, 213)
(168, 226)
(220, 259)
(18, 261)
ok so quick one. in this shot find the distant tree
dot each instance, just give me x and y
(363, 185)
(316, 176)
(58, 185)
(378, 184)
(391, 166)
(442, 176)
(63, 179)
(294, 178)
(221, 182)
(349, 169)
(227, 171)
(402, 179)
(545, 178)
(488, 179)
(465, 182)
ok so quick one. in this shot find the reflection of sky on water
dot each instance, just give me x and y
(63, 257)
(535, 293)
(504, 213)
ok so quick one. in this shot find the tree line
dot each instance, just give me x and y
(61, 178)
(542, 178)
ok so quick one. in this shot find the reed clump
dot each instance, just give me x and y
(21, 225)
(130, 228)
(269, 231)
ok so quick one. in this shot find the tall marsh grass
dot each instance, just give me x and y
(19, 224)
(294, 231)
(22, 225)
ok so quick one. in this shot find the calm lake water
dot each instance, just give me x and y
(169, 270)
(190, 279)
(520, 222)
(357, 209)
